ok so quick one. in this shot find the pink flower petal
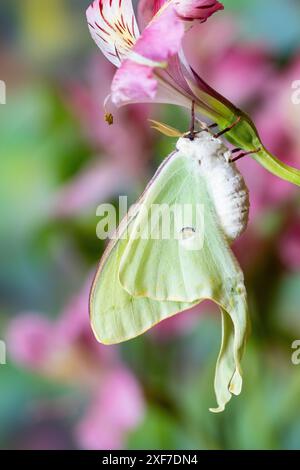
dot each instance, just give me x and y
(160, 41)
(183, 322)
(188, 9)
(199, 10)
(147, 9)
(135, 81)
(93, 433)
(113, 27)
(238, 65)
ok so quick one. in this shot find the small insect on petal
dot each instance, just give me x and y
(109, 118)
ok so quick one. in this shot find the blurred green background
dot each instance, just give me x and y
(58, 161)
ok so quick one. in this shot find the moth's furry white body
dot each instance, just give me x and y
(225, 183)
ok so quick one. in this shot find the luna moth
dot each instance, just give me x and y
(144, 280)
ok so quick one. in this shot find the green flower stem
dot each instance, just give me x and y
(278, 168)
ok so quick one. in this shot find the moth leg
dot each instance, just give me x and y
(219, 134)
(205, 127)
(191, 134)
(236, 150)
(244, 154)
(212, 126)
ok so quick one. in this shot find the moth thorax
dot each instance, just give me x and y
(225, 183)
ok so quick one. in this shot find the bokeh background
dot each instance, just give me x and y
(58, 160)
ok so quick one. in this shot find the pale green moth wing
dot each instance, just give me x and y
(199, 265)
(115, 315)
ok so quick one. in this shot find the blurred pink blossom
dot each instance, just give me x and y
(277, 119)
(241, 72)
(65, 350)
(281, 134)
(116, 409)
(29, 339)
(236, 68)
(183, 322)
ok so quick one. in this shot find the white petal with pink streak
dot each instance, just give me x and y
(113, 26)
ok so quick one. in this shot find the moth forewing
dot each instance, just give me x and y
(122, 229)
(115, 315)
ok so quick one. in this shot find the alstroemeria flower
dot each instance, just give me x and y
(152, 66)
(145, 69)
